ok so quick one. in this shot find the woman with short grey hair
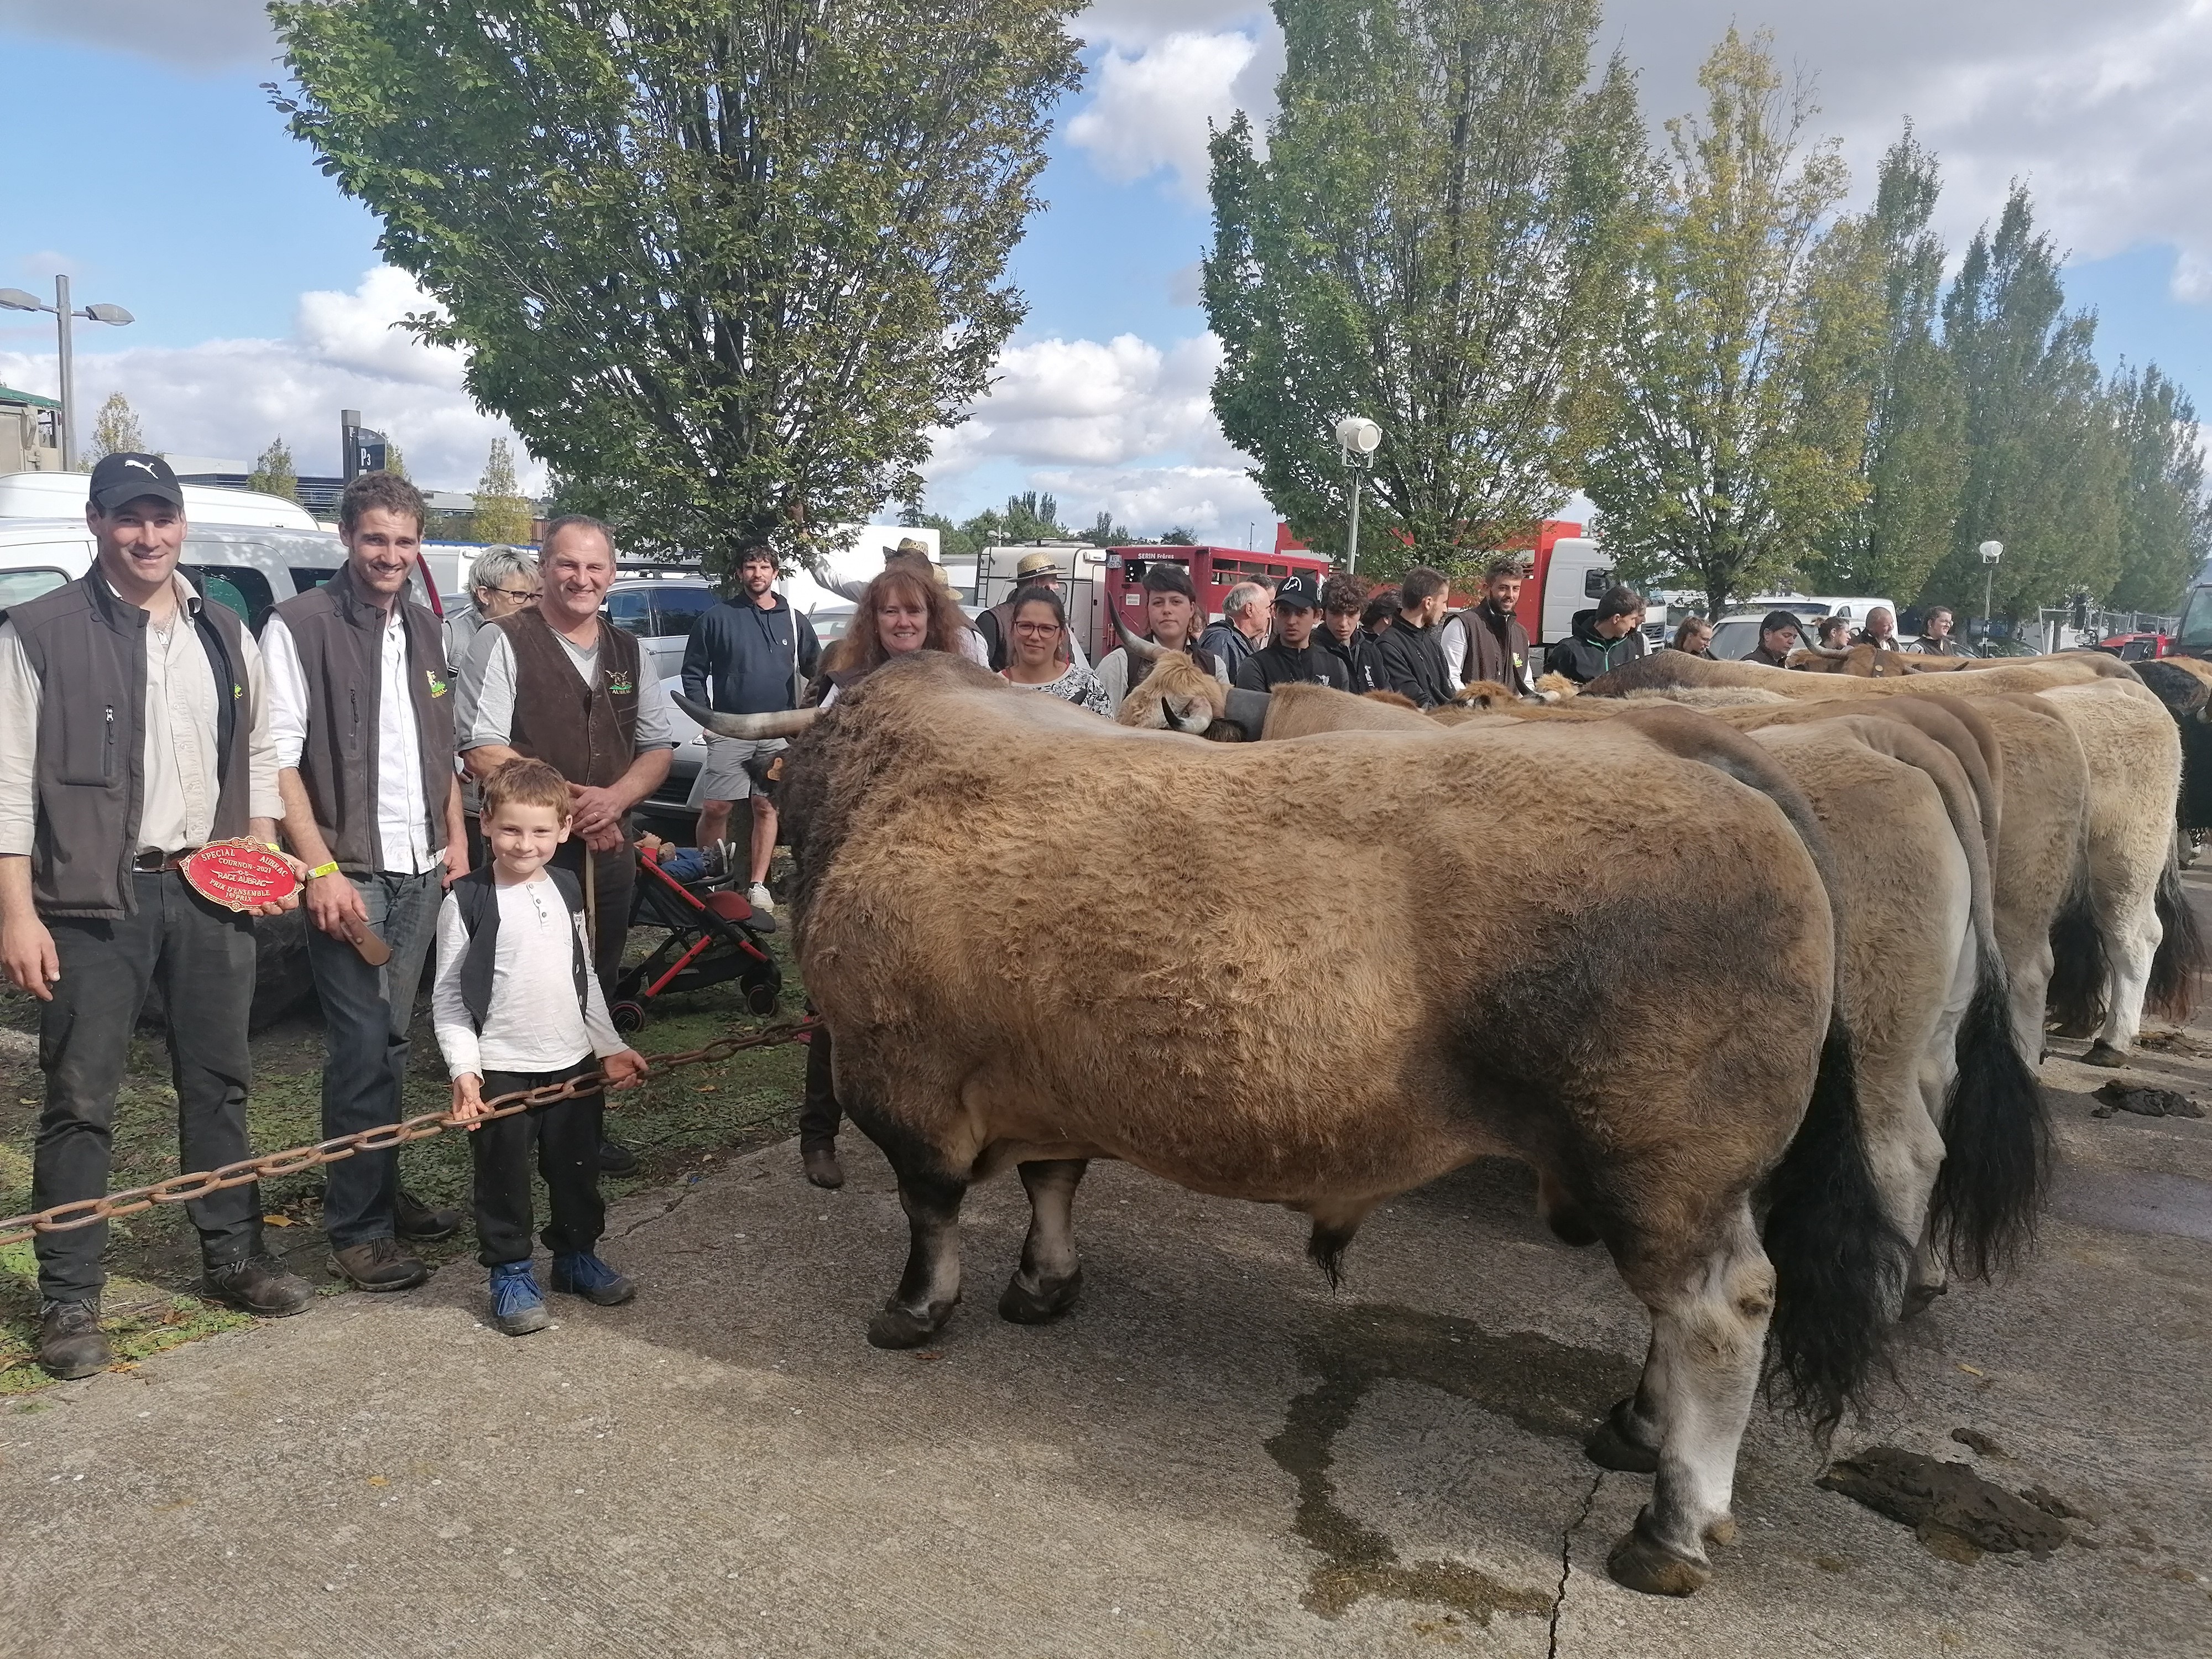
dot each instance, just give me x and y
(502, 582)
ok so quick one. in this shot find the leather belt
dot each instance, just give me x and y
(153, 863)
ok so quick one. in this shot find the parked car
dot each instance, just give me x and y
(660, 611)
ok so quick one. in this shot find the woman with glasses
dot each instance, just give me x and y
(1040, 623)
(501, 580)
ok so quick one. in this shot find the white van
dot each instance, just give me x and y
(248, 552)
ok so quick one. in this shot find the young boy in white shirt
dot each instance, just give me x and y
(516, 1006)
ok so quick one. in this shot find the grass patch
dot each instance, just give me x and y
(679, 1123)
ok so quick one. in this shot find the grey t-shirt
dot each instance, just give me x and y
(485, 712)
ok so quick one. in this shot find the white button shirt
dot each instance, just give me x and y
(403, 837)
(178, 737)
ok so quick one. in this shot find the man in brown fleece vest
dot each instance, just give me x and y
(557, 683)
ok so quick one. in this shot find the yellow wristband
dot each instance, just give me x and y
(323, 870)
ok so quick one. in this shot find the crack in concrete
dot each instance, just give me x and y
(1567, 1564)
(667, 1210)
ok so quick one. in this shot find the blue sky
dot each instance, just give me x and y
(173, 189)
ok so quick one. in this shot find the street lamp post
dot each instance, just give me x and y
(1991, 552)
(14, 299)
(1358, 439)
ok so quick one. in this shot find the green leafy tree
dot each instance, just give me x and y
(952, 542)
(274, 473)
(1913, 463)
(394, 462)
(1434, 238)
(503, 512)
(1737, 405)
(1107, 533)
(2043, 459)
(1179, 536)
(115, 431)
(722, 264)
(2165, 532)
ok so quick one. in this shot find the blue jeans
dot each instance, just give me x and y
(366, 1013)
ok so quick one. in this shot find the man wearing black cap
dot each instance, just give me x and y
(134, 728)
(1293, 656)
(1778, 636)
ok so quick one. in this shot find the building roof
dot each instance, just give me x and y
(9, 395)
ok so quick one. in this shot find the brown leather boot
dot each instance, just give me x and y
(70, 1343)
(822, 1166)
(259, 1284)
(380, 1264)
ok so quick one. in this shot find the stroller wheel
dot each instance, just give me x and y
(760, 997)
(628, 1016)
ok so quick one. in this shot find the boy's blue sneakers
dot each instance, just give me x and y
(579, 1273)
(517, 1308)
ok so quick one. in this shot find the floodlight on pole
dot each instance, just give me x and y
(1991, 552)
(15, 299)
(1357, 439)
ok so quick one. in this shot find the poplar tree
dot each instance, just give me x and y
(115, 431)
(274, 474)
(1434, 238)
(503, 513)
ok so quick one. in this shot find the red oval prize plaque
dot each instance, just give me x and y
(239, 874)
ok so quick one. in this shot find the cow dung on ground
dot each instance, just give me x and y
(1953, 1511)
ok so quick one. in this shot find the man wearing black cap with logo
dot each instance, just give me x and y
(1779, 635)
(133, 729)
(1293, 656)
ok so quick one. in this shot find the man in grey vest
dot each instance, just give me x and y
(133, 729)
(360, 714)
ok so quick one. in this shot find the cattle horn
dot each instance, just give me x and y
(1247, 710)
(1139, 650)
(783, 723)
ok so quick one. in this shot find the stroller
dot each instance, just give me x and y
(714, 936)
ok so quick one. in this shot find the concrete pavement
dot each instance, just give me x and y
(1212, 1455)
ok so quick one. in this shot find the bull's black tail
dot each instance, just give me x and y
(1839, 1262)
(1996, 1140)
(2080, 969)
(2176, 969)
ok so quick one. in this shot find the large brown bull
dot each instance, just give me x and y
(2132, 941)
(1596, 1019)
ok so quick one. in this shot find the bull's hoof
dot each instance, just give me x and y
(1919, 1298)
(1610, 1448)
(2102, 1053)
(895, 1326)
(1024, 1304)
(1641, 1562)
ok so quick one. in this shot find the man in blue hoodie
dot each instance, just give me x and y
(759, 654)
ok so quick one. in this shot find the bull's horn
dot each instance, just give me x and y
(1142, 651)
(1247, 710)
(783, 723)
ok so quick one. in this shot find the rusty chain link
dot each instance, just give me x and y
(179, 1189)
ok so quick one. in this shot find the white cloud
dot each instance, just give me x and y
(1153, 110)
(1213, 503)
(229, 398)
(198, 34)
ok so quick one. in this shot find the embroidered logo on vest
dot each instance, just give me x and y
(437, 685)
(619, 683)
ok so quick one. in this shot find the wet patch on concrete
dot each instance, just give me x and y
(1954, 1512)
(1545, 1387)
(2133, 1202)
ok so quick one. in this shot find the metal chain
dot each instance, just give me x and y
(181, 1189)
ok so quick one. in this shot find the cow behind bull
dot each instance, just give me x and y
(1596, 1020)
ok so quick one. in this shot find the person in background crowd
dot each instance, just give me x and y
(966, 640)
(751, 654)
(515, 1007)
(1601, 638)
(1832, 634)
(1413, 666)
(1779, 633)
(1936, 636)
(94, 814)
(501, 580)
(1880, 630)
(1040, 625)
(1343, 637)
(1172, 619)
(1032, 570)
(1486, 641)
(1295, 656)
(554, 683)
(1246, 611)
(360, 713)
(1695, 636)
(1380, 611)
(910, 613)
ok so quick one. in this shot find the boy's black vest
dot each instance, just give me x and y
(478, 895)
